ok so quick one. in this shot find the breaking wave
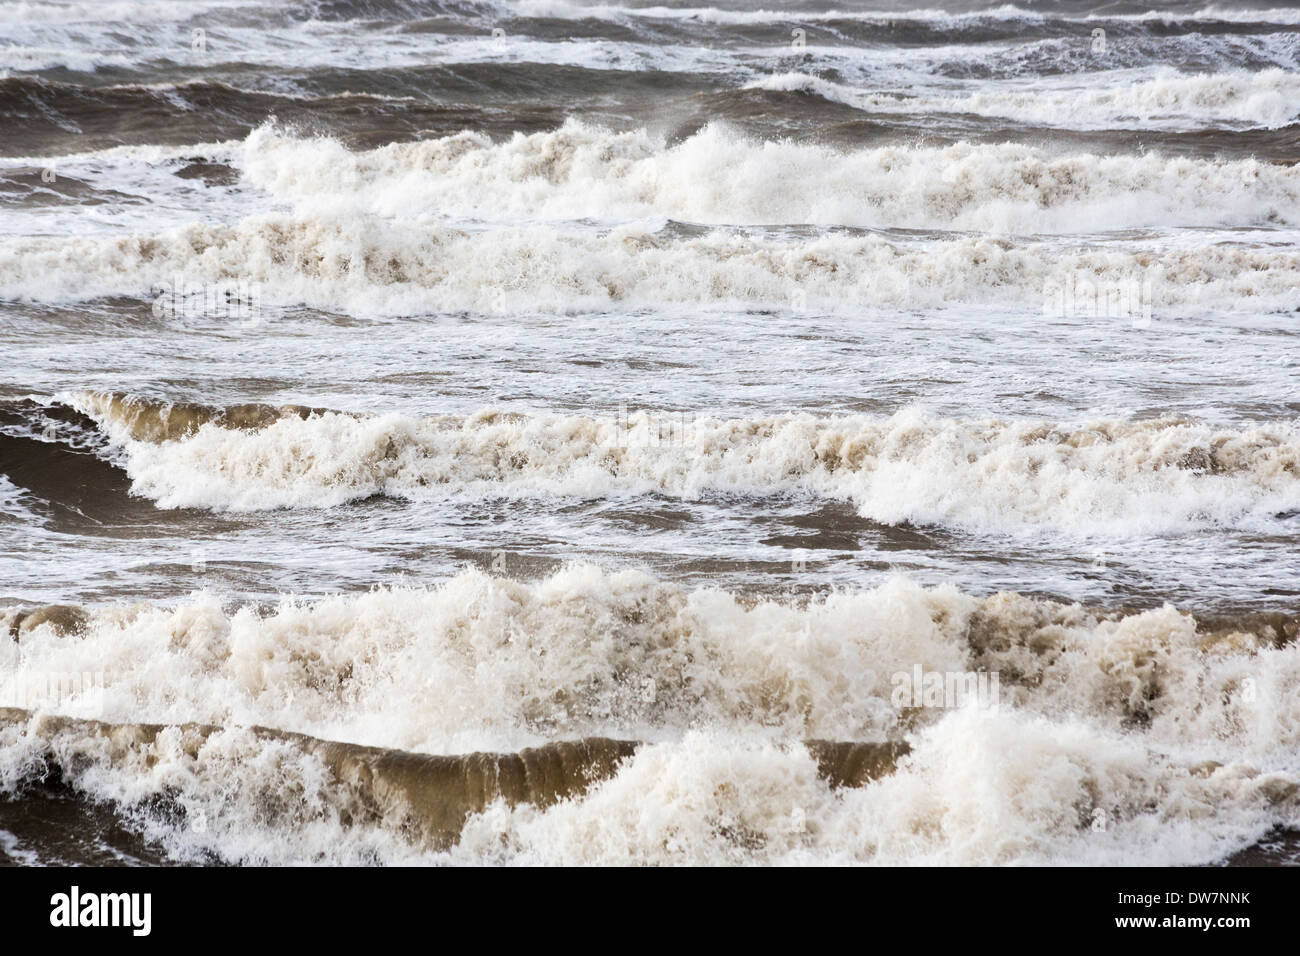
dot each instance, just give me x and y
(1180, 729)
(1129, 477)
(372, 266)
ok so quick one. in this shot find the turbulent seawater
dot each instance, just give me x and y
(549, 432)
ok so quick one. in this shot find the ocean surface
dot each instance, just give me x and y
(549, 433)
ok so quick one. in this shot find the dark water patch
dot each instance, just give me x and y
(48, 822)
(1280, 848)
(362, 108)
(368, 108)
(62, 462)
(46, 187)
(212, 174)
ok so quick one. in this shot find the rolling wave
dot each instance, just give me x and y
(718, 177)
(1135, 477)
(370, 265)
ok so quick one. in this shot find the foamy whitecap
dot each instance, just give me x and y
(717, 176)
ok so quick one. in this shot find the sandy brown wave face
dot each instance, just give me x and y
(63, 619)
(426, 797)
(152, 421)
